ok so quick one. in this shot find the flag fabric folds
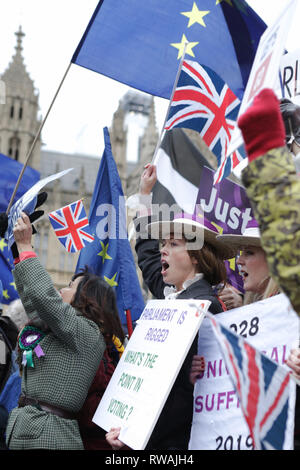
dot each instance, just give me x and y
(10, 171)
(262, 387)
(110, 255)
(178, 177)
(9, 292)
(144, 50)
(71, 226)
(183, 182)
(203, 102)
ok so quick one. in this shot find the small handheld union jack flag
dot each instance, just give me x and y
(71, 226)
(263, 388)
(203, 102)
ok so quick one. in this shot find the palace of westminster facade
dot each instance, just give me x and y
(19, 124)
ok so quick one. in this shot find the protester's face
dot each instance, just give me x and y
(67, 293)
(177, 266)
(253, 268)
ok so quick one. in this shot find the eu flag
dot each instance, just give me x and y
(10, 171)
(110, 255)
(9, 292)
(140, 43)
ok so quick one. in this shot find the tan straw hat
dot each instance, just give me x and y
(190, 226)
(251, 236)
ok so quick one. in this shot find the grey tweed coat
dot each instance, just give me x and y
(73, 350)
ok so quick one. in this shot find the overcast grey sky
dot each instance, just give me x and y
(87, 100)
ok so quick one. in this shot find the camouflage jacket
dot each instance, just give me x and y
(73, 350)
(274, 190)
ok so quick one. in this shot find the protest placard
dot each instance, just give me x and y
(227, 206)
(290, 76)
(265, 68)
(27, 203)
(148, 368)
(272, 327)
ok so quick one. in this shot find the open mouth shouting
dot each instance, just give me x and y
(164, 267)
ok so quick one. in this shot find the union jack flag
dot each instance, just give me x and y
(203, 102)
(262, 387)
(71, 226)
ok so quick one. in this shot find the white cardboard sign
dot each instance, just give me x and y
(148, 368)
(265, 69)
(272, 327)
(290, 76)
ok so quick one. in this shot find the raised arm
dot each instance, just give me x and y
(36, 288)
(147, 249)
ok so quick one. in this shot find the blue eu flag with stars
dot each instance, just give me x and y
(9, 291)
(10, 171)
(140, 43)
(110, 255)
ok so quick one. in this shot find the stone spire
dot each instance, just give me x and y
(20, 36)
(16, 76)
(19, 120)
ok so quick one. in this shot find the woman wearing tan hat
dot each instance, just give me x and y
(254, 269)
(189, 252)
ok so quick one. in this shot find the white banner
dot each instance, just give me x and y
(218, 422)
(27, 202)
(290, 76)
(265, 68)
(148, 368)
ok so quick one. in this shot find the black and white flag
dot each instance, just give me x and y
(179, 165)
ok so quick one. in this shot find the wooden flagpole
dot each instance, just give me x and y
(35, 140)
(154, 159)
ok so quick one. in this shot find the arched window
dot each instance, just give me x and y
(14, 148)
(12, 111)
(20, 112)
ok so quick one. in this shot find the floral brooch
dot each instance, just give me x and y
(29, 340)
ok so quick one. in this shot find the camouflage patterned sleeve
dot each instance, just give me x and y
(274, 190)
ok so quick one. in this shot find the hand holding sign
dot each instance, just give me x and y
(112, 438)
(154, 355)
(41, 198)
(28, 203)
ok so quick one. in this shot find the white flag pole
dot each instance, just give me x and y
(35, 140)
(154, 159)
